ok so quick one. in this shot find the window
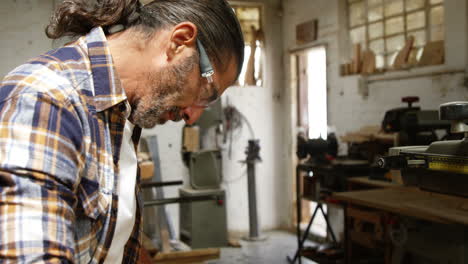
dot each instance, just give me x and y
(384, 25)
(250, 20)
(317, 94)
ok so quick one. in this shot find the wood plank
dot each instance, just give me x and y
(373, 183)
(144, 257)
(402, 57)
(234, 243)
(191, 140)
(367, 133)
(363, 239)
(370, 217)
(165, 239)
(146, 170)
(182, 257)
(368, 62)
(410, 201)
(357, 60)
(433, 54)
(250, 71)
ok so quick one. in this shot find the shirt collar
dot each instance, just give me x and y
(108, 90)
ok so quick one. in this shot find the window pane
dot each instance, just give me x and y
(437, 15)
(437, 33)
(436, 2)
(415, 20)
(393, 7)
(391, 59)
(419, 37)
(356, 14)
(414, 56)
(248, 17)
(375, 13)
(374, 2)
(375, 30)
(395, 43)
(248, 13)
(414, 4)
(379, 61)
(394, 25)
(358, 35)
(377, 46)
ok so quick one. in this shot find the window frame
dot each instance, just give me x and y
(261, 47)
(389, 56)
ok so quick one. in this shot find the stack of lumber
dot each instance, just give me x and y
(366, 134)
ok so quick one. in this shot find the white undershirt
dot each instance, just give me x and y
(127, 200)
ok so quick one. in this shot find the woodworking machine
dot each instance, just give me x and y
(441, 166)
(413, 125)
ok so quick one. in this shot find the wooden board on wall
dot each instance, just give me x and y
(403, 55)
(368, 62)
(307, 32)
(357, 59)
(433, 53)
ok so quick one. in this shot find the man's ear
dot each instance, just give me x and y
(183, 35)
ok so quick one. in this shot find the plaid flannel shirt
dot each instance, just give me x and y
(62, 116)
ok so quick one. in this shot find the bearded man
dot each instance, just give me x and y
(70, 120)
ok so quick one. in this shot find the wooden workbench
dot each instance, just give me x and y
(411, 201)
(373, 204)
(369, 183)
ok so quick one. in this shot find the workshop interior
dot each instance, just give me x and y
(344, 139)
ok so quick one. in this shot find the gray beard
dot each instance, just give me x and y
(153, 117)
(167, 86)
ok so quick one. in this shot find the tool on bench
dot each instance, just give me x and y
(414, 126)
(441, 166)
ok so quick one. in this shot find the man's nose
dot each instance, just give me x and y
(192, 114)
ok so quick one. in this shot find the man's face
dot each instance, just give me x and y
(173, 91)
(166, 89)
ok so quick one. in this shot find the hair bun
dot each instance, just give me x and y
(135, 15)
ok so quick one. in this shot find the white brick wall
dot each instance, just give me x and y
(22, 31)
(348, 110)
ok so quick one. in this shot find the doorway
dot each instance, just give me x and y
(311, 98)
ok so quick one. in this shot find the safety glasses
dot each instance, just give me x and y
(208, 93)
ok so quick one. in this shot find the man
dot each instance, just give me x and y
(70, 120)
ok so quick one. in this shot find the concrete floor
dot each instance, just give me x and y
(273, 250)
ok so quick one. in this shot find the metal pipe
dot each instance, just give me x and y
(251, 185)
(181, 200)
(160, 184)
(298, 210)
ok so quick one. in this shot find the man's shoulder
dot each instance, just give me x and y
(60, 71)
(69, 58)
(70, 62)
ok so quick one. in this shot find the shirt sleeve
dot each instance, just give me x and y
(40, 158)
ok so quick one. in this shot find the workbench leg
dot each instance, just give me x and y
(348, 244)
(304, 238)
(328, 223)
(299, 216)
(299, 211)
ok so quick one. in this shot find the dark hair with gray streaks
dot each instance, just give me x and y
(218, 27)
